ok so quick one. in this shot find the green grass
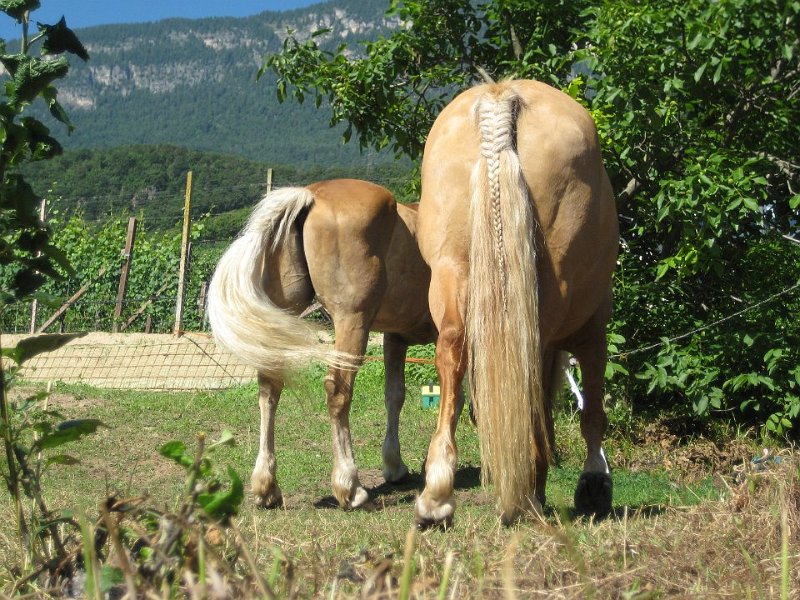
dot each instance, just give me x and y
(659, 514)
(123, 458)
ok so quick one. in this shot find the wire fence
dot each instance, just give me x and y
(162, 362)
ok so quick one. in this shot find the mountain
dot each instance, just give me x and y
(192, 83)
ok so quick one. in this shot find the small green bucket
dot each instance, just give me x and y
(430, 396)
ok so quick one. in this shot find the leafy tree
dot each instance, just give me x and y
(698, 110)
(25, 244)
(27, 256)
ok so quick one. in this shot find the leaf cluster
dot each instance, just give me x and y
(25, 245)
(697, 107)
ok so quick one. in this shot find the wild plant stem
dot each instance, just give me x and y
(13, 473)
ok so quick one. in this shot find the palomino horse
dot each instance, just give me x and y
(347, 242)
(518, 223)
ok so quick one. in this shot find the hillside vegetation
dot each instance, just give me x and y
(193, 83)
(150, 181)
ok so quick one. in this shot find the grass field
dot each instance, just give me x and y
(683, 526)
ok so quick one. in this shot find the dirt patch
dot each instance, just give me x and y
(137, 361)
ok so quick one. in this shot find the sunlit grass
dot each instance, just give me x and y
(314, 548)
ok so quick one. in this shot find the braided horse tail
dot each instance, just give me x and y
(502, 312)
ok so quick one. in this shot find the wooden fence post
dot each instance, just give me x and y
(187, 207)
(35, 303)
(201, 298)
(269, 180)
(127, 254)
(72, 300)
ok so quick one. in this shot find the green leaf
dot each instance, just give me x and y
(50, 94)
(662, 269)
(176, 450)
(226, 439)
(60, 38)
(701, 406)
(751, 203)
(17, 8)
(694, 41)
(717, 73)
(110, 577)
(32, 76)
(33, 346)
(68, 431)
(699, 73)
(794, 202)
(223, 504)
(58, 255)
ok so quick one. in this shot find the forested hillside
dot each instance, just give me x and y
(150, 181)
(193, 83)
(158, 99)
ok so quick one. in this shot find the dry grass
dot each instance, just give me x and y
(653, 547)
(730, 548)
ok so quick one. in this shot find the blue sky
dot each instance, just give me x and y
(85, 13)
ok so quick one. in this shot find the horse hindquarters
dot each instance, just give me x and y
(478, 236)
(346, 238)
(262, 273)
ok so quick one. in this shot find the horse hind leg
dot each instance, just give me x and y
(436, 504)
(351, 338)
(394, 351)
(263, 482)
(593, 495)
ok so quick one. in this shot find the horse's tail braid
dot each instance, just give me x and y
(244, 321)
(502, 311)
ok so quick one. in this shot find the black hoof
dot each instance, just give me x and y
(593, 495)
(429, 524)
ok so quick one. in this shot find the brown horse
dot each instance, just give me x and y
(518, 223)
(349, 244)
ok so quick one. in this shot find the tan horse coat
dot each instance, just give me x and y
(517, 221)
(349, 244)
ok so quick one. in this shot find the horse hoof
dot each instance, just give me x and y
(424, 524)
(396, 474)
(431, 516)
(593, 495)
(270, 500)
(359, 498)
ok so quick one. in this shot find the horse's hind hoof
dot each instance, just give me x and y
(424, 524)
(270, 501)
(433, 515)
(593, 495)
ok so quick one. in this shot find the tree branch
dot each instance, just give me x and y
(515, 43)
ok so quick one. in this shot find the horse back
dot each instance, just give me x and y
(559, 154)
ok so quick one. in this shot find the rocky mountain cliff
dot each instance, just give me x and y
(193, 83)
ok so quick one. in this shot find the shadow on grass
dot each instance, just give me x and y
(405, 492)
(384, 495)
(646, 511)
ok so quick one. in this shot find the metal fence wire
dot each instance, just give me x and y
(161, 362)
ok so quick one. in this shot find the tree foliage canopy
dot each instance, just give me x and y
(698, 109)
(25, 247)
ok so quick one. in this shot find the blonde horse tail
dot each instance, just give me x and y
(502, 311)
(243, 318)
